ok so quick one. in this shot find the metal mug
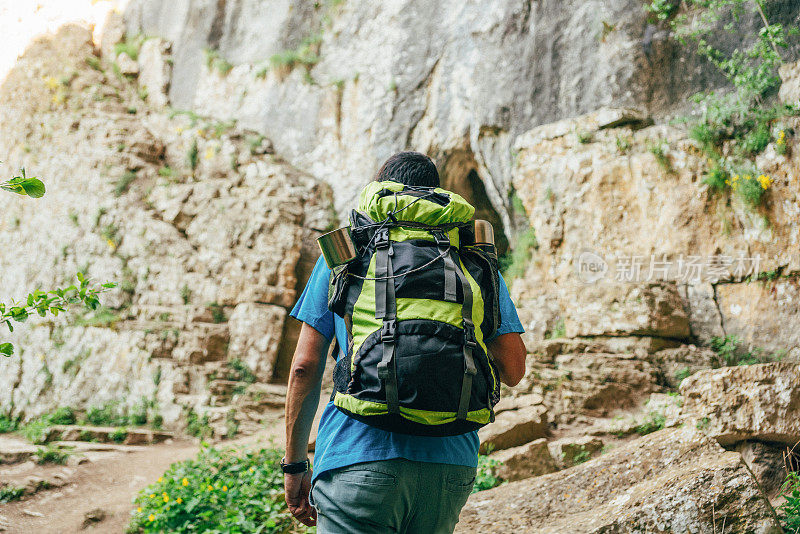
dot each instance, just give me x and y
(337, 247)
(484, 233)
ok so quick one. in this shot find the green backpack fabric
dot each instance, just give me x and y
(418, 302)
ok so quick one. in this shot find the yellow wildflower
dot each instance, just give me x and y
(161, 479)
(209, 153)
(179, 129)
(166, 498)
(152, 495)
(185, 481)
(139, 510)
(224, 488)
(210, 487)
(51, 83)
(765, 181)
(112, 246)
(151, 517)
(748, 177)
(178, 500)
(252, 469)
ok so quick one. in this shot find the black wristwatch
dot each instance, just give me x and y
(294, 468)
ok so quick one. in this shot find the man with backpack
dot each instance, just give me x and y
(424, 331)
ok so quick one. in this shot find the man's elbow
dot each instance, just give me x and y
(515, 375)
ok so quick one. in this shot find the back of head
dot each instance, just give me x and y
(409, 168)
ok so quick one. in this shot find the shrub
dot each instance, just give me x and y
(789, 511)
(51, 455)
(109, 414)
(118, 435)
(717, 177)
(121, 186)
(219, 491)
(660, 153)
(11, 493)
(8, 424)
(197, 426)
(486, 477)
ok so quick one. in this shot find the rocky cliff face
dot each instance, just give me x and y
(198, 223)
(456, 80)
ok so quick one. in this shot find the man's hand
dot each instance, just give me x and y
(296, 489)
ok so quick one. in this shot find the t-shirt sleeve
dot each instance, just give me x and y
(509, 320)
(312, 306)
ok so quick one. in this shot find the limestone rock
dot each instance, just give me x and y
(734, 404)
(126, 65)
(604, 309)
(567, 452)
(670, 481)
(529, 460)
(154, 71)
(514, 427)
(790, 88)
(678, 363)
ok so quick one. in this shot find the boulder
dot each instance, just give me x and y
(760, 402)
(570, 451)
(154, 71)
(529, 460)
(514, 427)
(674, 480)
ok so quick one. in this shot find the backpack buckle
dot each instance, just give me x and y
(389, 331)
(469, 335)
(441, 238)
(382, 239)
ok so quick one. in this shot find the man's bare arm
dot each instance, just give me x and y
(509, 353)
(302, 399)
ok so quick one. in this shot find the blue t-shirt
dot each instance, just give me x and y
(342, 440)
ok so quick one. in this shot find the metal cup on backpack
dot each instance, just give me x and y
(484, 236)
(337, 247)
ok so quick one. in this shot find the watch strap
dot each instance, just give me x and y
(295, 467)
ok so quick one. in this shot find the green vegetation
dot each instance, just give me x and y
(130, 46)
(11, 493)
(220, 491)
(682, 374)
(514, 263)
(305, 55)
(558, 331)
(660, 153)
(197, 426)
(789, 511)
(217, 312)
(584, 455)
(192, 155)
(585, 137)
(744, 118)
(118, 435)
(186, 294)
(94, 62)
(703, 423)
(653, 422)
(51, 455)
(121, 186)
(8, 423)
(216, 62)
(36, 430)
(240, 372)
(730, 351)
(102, 317)
(623, 144)
(166, 172)
(486, 477)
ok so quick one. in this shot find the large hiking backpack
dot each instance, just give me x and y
(418, 302)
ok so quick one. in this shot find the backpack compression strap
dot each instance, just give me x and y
(386, 309)
(469, 344)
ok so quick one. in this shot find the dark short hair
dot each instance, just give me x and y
(409, 168)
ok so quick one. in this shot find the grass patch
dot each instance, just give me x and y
(217, 312)
(8, 424)
(654, 422)
(121, 186)
(118, 435)
(192, 155)
(731, 352)
(514, 263)
(35, 431)
(102, 317)
(11, 493)
(130, 46)
(197, 426)
(216, 62)
(486, 476)
(305, 55)
(219, 491)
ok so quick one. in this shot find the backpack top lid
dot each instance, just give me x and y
(426, 205)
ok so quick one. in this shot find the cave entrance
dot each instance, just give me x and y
(459, 174)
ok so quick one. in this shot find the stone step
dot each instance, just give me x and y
(133, 436)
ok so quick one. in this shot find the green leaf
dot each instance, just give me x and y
(33, 187)
(80, 276)
(6, 349)
(109, 285)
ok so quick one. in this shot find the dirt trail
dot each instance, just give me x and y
(108, 483)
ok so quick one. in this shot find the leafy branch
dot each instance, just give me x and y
(22, 185)
(55, 301)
